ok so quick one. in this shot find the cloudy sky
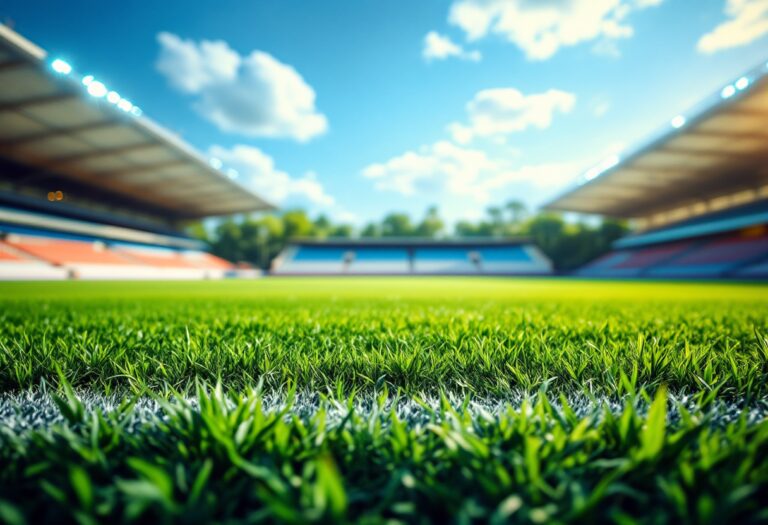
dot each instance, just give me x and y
(356, 108)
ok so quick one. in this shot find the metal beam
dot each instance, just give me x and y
(141, 169)
(730, 135)
(10, 65)
(751, 112)
(22, 104)
(71, 159)
(56, 132)
(719, 152)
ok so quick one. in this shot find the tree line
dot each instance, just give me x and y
(258, 239)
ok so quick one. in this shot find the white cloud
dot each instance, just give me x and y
(254, 95)
(500, 111)
(443, 168)
(440, 47)
(606, 48)
(258, 171)
(541, 27)
(747, 21)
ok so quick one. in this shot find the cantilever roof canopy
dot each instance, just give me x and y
(52, 120)
(719, 149)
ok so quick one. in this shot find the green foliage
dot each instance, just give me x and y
(365, 347)
(260, 240)
(229, 460)
(484, 335)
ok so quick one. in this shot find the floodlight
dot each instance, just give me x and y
(113, 97)
(87, 79)
(97, 89)
(678, 122)
(61, 67)
(215, 163)
(125, 105)
(742, 83)
(728, 91)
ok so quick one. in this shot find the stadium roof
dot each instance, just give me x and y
(55, 120)
(718, 149)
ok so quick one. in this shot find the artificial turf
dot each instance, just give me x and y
(413, 400)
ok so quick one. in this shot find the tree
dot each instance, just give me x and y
(297, 224)
(258, 240)
(371, 230)
(199, 231)
(322, 227)
(397, 225)
(497, 221)
(547, 231)
(227, 241)
(343, 231)
(431, 225)
(517, 212)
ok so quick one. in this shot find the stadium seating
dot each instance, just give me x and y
(313, 260)
(716, 258)
(61, 252)
(48, 255)
(512, 260)
(15, 264)
(410, 257)
(444, 260)
(754, 271)
(379, 260)
(632, 263)
(733, 255)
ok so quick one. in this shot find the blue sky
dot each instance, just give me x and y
(356, 108)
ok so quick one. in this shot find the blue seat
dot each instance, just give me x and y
(503, 254)
(319, 253)
(380, 254)
(442, 254)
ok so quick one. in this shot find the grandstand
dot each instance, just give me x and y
(697, 194)
(411, 257)
(90, 188)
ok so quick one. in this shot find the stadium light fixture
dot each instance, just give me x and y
(742, 83)
(728, 91)
(678, 122)
(215, 163)
(61, 67)
(97, 89)
(125, 105)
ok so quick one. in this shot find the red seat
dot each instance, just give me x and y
(60, 252)
(7, 253)
(649, 256)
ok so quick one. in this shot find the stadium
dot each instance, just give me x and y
(151, 374)
(409, 257)
(92, 189)
(698, 193)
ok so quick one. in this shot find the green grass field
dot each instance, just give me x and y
(384, 400)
